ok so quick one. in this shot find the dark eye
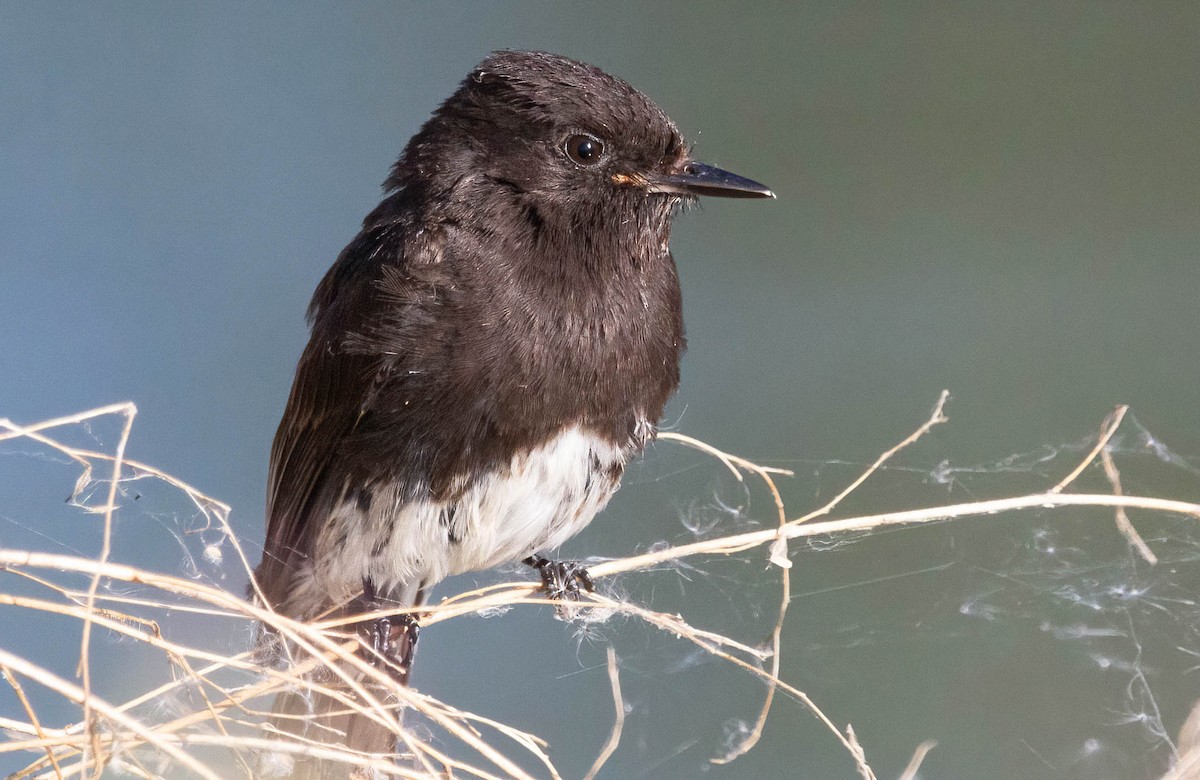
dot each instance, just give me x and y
(584, 149)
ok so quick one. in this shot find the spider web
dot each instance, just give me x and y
(1049, 601)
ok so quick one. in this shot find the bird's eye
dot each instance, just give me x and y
(584, 149)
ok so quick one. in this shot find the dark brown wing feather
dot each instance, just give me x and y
(304, 486)
(331, 393)
(333, 390)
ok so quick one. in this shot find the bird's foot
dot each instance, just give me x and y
(394, 644)
(562, 580)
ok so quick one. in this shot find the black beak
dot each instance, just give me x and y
(701, 179)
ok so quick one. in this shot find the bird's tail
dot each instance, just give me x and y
(325, 714)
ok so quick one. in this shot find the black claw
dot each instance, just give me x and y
(394, 642)
(381, 637)
(393, 639)
(562, 579)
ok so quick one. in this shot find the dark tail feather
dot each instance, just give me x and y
(323, 720)
(315, 718)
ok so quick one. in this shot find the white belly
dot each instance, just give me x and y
(535, 503)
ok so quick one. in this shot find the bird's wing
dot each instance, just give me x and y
(332, 390)
(305, 483)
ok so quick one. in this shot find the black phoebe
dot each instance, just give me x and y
(486, 355)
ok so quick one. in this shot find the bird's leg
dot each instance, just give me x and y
(561, 579)
(393, 638)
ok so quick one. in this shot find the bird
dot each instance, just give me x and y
(486, 356)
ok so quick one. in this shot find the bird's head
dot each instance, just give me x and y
(571, 145)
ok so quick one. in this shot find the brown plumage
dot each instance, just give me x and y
(486, 355)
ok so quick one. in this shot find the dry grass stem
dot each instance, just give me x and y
(614, 736)
(218, 699)
(1124, 524)
(1107, 429)
(918, 758)
(935, 418)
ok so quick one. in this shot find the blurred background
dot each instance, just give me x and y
(997, 199)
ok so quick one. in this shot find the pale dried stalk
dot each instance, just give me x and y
(304, 636)
(1124, 524)
(110, 506)
(779, 557)
(34, 721)
(78, 695)
(209, 507)
(736, 543)
(935, 418)
(205, 504)
(321, 647)
(918, 758)
(1107, 429)
(856, 750)
(614, 736)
